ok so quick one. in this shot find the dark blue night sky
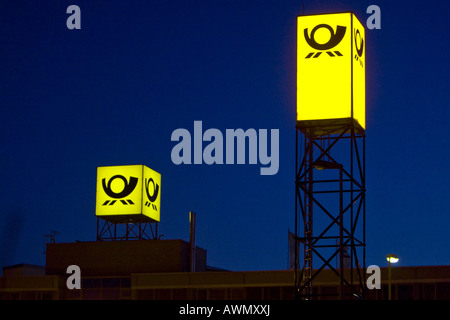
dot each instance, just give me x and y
(113, 92)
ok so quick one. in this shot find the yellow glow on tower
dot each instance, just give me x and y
(330, 69)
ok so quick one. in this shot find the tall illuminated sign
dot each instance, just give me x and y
(330, 69)
(128, 193)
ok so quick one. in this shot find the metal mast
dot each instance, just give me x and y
(330, 189)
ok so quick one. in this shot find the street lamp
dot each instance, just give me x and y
(391, 258)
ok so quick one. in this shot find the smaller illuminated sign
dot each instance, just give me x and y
(128, 193)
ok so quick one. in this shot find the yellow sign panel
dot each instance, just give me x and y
(359, 75)
(151, 194)
(330, 68)
(128, 193)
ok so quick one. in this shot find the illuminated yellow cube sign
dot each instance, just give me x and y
(330, 69)
(128, 194)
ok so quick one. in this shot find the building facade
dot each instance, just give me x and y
(159, 270)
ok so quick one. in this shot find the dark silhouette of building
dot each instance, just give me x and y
(159, 269)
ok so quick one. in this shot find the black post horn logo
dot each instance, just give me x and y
(359, 46)
(127, 189)
(154, 196)
(335, 38)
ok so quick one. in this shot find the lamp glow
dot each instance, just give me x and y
(392, 258)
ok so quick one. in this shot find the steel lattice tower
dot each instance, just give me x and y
(330, 191)
(111, 230)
